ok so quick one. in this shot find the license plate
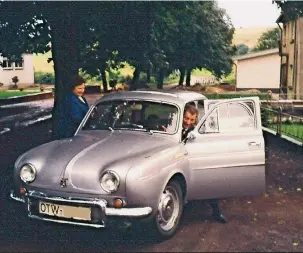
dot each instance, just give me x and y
(79, 213)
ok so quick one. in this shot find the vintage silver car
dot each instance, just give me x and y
(127, 162)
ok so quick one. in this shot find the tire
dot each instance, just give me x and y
(167, 219)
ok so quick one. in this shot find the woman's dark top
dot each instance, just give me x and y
(71, 114)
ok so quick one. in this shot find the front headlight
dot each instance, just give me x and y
(27, 173)
(110, 181)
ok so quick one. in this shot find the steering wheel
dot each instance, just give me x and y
(154, 124)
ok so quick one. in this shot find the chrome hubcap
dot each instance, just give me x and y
(168, 209)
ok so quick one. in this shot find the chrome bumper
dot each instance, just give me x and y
(139, 212)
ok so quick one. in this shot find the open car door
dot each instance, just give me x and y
(227, 155)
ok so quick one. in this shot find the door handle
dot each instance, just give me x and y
(254, 144)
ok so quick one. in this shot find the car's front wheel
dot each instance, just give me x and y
(169, 211)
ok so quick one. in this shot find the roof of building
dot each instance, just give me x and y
(170, 96)
(281, 19)
(257, 54)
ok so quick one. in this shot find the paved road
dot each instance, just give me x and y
(272, 222)
(28, 113)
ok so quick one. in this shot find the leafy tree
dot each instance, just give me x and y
(158, 36)
(242, 49)
(191, 35)
(291, 9)
(38, 27)
(268, 40)
(214, 39)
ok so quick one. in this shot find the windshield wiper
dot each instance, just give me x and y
(111, 129)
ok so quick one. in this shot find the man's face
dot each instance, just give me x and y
(189, 119)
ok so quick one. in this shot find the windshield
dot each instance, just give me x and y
(133, 115)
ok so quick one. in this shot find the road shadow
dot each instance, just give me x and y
(61, 238)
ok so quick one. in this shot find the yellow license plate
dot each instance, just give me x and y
(79, 213)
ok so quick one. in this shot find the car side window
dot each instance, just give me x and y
(200, 106)
(211, 124)
(230, 117)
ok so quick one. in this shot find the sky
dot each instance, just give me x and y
(251, 13)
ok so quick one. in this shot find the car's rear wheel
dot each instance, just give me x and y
(169, 211)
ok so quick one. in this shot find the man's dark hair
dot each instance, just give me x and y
(191, 109)
(77, 80)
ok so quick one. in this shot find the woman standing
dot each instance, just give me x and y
(73, 110)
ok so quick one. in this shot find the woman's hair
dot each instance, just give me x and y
(76, 81)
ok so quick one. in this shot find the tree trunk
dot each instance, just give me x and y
(182, 75)
(65, 52)
(160, 79)
(136, 79)
(188, 76)
(104, 81)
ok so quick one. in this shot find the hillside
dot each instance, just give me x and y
(247, 36)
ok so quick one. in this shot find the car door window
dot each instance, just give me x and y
(230, 117)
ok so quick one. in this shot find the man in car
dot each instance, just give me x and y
(190, 117)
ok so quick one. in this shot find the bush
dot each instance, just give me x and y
(44, 78)
(265, 117)
(115, 75)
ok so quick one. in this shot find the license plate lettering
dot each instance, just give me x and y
(79, 213)
(51, 209)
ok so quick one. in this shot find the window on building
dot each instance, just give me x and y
(19, 64)
(7, 64)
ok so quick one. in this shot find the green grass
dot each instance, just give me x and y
(203, 72)
(8, 94)
(294, 130)
(41, 65)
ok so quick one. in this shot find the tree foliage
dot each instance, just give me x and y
(154, 37)
(268, 40)
(291, 9)
(242, 49)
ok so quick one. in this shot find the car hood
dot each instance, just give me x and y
(83, 158)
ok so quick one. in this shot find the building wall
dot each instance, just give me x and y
(292, 45)
(25, 74)
(299, 65)
(261, 72)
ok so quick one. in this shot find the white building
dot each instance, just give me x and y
(24, 70)
(259, 70)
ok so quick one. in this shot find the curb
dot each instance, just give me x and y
(50, 94)
(5, 130)
(26, 98)
(287, 138)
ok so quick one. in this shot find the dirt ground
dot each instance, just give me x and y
(272, 222)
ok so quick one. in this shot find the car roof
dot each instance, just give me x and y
(169, 95)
